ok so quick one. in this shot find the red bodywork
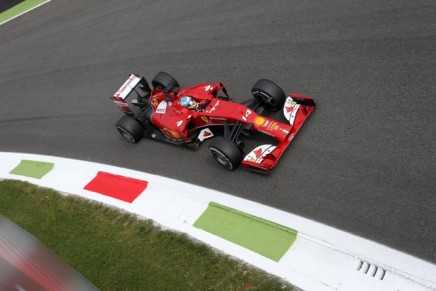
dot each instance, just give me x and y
(177, 122)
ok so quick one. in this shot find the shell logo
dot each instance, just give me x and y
(259, 121)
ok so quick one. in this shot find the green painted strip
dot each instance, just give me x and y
(19, 9)
(259, 235)
(33, 169)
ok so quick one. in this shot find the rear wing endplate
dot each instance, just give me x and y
(119, 99)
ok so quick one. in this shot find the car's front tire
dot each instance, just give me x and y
(269, 94)
(226, 152)
(130, 129)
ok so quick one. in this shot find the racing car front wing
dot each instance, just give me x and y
(296, 110)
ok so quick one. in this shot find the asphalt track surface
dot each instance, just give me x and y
(365, 160)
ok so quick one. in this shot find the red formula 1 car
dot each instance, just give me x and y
(188, 116)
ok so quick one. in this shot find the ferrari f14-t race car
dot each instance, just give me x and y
(188, 116)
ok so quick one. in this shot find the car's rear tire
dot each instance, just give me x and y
(165, 81)
(226, 152)
(269, 93)
(130, 129)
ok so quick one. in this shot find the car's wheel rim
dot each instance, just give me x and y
(126, 134)
(221, 158)
(268, 101)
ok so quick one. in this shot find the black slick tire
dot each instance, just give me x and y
(269, 93)
(165, 81)
(130, 129)
(226, 153)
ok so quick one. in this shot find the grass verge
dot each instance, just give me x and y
(19, 9)
(116, 251)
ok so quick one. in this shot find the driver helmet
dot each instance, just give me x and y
(188, 102)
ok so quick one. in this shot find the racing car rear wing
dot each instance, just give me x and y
(120, 97)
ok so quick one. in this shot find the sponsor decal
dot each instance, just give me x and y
(290, 109)
(291, 137)
(179, 123)
(259, 121)
(273, 126)
(217, 118)
(204, 134)
(204, 118)
(162, 108)
(154, 102)
(257, 155)
(258, 152)
(214, 107)
(207, 88)
(127, 87)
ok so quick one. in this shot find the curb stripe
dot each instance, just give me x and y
(116, 186)
(264, 237)
(33, 169)
(317, 257)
